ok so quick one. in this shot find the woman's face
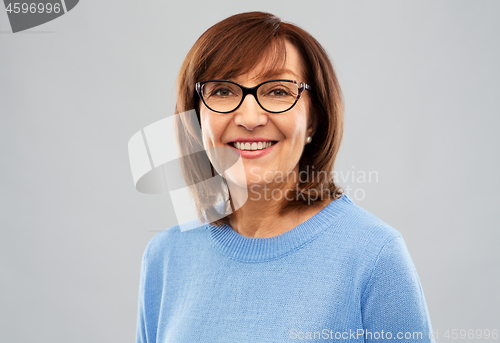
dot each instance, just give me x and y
(251, 124)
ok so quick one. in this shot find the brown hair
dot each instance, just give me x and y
(233, 47)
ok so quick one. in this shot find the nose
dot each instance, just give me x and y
(250, 115)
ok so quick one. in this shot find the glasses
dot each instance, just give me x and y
(275, 96)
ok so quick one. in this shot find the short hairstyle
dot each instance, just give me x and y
(234, 46)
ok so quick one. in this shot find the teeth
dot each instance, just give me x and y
(252, 146)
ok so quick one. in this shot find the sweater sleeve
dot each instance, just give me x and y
(141, 334)
(150, 289)
(393, 304)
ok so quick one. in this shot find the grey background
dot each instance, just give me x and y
(421, 82)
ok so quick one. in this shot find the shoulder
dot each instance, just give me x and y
(362, 226)
(170, 240)
(358, 235)
(379, 249)
(160, 241)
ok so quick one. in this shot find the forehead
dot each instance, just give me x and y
(291, 67)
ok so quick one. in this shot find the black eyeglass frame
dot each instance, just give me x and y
(252, 91)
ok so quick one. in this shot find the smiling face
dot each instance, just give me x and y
(278, 137)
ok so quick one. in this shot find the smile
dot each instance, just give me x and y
(251, 146)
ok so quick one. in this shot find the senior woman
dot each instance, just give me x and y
(296, 260)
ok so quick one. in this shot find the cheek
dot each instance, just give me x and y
(208, 129)
(295, 128)
(213, 127)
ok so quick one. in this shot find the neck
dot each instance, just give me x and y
(259, 216)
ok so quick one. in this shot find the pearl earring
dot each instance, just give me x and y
(308, 140)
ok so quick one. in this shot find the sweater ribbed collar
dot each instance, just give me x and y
(251, 249)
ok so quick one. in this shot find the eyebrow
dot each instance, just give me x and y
(265, 76)
(274, 73)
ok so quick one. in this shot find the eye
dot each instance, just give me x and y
(279, 92)
(222, 92)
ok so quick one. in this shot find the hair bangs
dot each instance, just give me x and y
(227, 61)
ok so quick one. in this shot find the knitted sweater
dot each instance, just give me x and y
(343, 275)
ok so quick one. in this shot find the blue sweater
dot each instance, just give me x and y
(343, 275)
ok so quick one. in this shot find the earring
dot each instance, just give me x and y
(308, 140)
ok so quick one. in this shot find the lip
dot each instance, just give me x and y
(252, 139)
(253, 153)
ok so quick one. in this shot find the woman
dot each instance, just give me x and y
(294, 259)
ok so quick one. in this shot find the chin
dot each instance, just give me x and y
(243, 181)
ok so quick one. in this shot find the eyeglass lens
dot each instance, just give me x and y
(275, 96)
